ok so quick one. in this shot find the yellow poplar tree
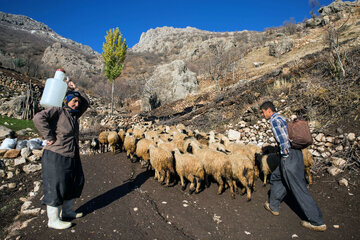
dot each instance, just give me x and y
(114, 53)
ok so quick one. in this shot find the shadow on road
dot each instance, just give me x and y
(114, 194)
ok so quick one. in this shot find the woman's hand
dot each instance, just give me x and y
(50, 142)
(71, 84)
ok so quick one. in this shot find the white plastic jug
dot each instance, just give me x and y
(54, 91)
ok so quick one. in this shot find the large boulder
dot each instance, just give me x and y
(169, 82)
(4, 131)
(278, 48)
(15, 107)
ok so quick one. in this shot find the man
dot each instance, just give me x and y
(288, 177)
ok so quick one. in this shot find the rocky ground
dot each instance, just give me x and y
(122, 201)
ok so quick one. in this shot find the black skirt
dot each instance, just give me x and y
(63, 178)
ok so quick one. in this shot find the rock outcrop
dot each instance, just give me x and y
(169, 82)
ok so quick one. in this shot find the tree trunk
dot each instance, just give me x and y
(112, 96)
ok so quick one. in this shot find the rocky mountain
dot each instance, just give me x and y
(33, 48)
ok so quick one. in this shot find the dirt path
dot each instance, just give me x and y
(122, 201)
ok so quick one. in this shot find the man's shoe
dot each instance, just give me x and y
(267, 207)
(308, 225)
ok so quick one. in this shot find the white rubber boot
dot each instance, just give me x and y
(67, 210)
(54, 220)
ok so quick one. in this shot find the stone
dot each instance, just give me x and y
(2, 173)
(351, 137)
(19, 161)
(2, 152)
(34, 211)
(339, 148)
(37, 152)
(233, 135)
(278, 48)
(320, 137)
(25, 152)
(338, 162)
(4, 131)
(258, 64)
(31, 168)
(11, 185)
(10, 175)
(12, 153)
(334, 171)
(33, 158)
(343, 182)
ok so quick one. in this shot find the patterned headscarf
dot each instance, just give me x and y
(70, 95)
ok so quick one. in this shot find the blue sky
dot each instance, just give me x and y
(86, 22)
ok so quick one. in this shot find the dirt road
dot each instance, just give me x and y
(122, 201)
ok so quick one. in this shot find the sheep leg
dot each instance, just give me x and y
(156, 176)
(198, 185)
(265, 178)
(231, 186)
(221, 184)
(236, 190)
(246, 188)
(192, 183)
(309, 175)
(207, 183)
(162, 177)
(183, 186)
(168, 178)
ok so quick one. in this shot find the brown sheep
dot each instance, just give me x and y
(103, 139)
(130, 145)
(121, 134)
(243, 171)
(142, 152)
(113, 141)
(187, 166)
(163, 163)
(215, 163)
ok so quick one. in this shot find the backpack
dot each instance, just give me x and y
(299, 133)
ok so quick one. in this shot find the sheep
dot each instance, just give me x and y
(142, 153)
(249, 150)
(308, 163)
(130, 145)
(215, 163)
(138, 133)
(162, 162)
(94, 145)
(270, 159)
(113, 141)
(189, 167)
(243, 171)
(121, 134)
(103, 139)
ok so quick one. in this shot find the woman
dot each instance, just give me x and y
(63, 178)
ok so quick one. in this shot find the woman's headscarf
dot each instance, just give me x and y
(70, 95)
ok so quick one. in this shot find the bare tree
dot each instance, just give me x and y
(332, 39)
(313, 4)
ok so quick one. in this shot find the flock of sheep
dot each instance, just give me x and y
(194, 156)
